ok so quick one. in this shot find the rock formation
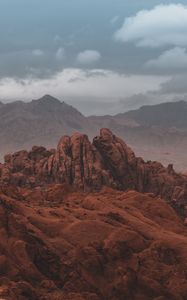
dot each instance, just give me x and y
(87, 166)
(110, 245)
(86, 221)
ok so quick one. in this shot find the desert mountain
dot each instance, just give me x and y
(40, 121)
(154, 132)
(72, 226)
(166, 115)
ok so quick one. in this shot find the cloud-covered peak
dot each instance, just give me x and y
(161, 26)
(75, 84)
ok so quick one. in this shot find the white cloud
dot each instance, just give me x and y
(38, 52)
(88, 57)
(173, 59)
(77, 83)
(163, 25)
(60, 54)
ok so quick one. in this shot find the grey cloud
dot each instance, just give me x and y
(88, 57)
(114, 20)
(102, 85)
(176, 85)
(38, 52)
(60, 54)
(172, 60)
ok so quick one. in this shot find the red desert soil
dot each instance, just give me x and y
(110, 245)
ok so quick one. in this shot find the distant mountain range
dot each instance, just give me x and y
(157, 132)
(40, 121)
(171, 114)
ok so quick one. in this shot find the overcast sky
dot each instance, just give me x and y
(102, 56)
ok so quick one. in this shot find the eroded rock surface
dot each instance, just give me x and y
(110, 245)
(107, 161)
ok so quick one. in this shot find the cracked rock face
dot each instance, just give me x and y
(107, 161)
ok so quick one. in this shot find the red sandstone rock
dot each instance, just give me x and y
(66, 235)
(109, 245)
(87, 166)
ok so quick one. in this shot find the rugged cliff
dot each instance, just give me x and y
(107, 161)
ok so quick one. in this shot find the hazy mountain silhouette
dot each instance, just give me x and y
(157, 132)
(40, 121)
(171, 114)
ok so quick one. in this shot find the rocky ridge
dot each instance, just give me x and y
(107, 161)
